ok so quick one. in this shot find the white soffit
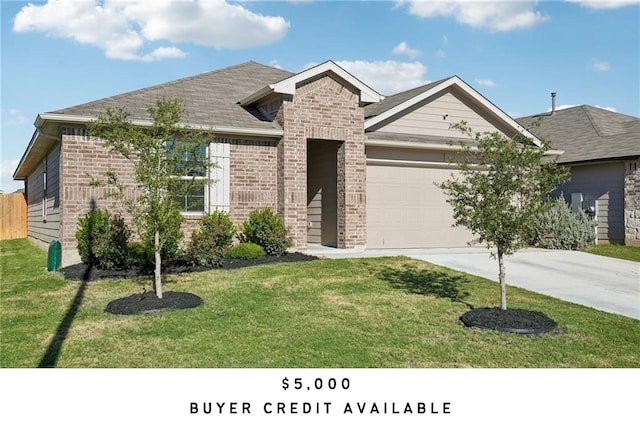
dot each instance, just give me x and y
(468, 90)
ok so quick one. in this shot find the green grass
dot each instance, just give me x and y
(381, 312)
(617, 251)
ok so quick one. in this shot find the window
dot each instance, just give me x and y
(189, 193)
(44, 190)
(189, 187)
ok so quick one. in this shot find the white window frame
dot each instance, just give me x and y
(205, 202)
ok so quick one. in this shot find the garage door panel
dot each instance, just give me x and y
(405, 209)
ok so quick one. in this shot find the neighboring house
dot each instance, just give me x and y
(343, 165)
(602, 149)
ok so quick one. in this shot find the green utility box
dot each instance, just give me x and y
(55, 256)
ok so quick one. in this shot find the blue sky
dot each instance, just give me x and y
(61, 53)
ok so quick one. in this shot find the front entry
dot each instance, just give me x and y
(322, 192)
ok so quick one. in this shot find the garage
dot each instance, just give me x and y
(406, 210)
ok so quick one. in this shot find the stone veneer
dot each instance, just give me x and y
(323, 109)
(632, 203)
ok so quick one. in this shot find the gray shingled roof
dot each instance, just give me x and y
(210, 98)
(394, 100)
(588, 133)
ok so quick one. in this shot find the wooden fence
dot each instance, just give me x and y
(13, 216)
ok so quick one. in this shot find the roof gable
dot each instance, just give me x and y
(288, 85)
(396, 106)
(587, 133)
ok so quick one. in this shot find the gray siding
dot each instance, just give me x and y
(435, 117)
(44, 224)
(322, 192)
(604, 183)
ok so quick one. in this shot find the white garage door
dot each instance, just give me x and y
(406, 210)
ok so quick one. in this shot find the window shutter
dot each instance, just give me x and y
(219, 189)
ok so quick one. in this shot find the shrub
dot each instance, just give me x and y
(246, 251)
(560, 228)
(140, 255)
(102, 240)
(264, 228)
(93, 226)
(174, 235)
(212, 240)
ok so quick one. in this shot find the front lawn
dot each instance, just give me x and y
(376, 312)
(617, 251)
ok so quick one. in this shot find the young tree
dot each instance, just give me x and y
(169, 160)
(503, 185)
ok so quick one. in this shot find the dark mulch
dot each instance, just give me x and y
(79, 272)
(148, 303)
(511, 320)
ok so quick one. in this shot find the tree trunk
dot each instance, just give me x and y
(158, 273)
(503, 284)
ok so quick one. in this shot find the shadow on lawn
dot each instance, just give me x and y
(50, 357)
(434, 283)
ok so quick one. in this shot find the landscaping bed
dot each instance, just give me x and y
(77, 272)
(519, 321)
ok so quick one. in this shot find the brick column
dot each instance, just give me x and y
(323, 109)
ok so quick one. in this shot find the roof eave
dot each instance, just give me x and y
(227, 130)
(257, 95)
(40, 139)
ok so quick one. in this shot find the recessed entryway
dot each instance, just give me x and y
(322, 192)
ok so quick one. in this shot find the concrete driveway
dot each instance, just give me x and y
(599, 282)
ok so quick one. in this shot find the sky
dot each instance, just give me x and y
(61, 53)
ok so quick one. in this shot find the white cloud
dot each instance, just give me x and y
(492, 15)
(559, 107)
(612, 109)
(13, 117)
(441, 53)
(605, 4)
(122, 28)
(7, 167)
(275, 63)
(387, 77)
(164, 53)
(600, 65)
(485, 82)
(404, 49)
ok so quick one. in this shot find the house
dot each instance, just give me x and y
(343, 165)
(602, 149)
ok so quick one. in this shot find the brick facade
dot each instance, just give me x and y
(253, 170)
(323, 109)
(81, 160)
(262, 172)
(253, 175)
(632, 203)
